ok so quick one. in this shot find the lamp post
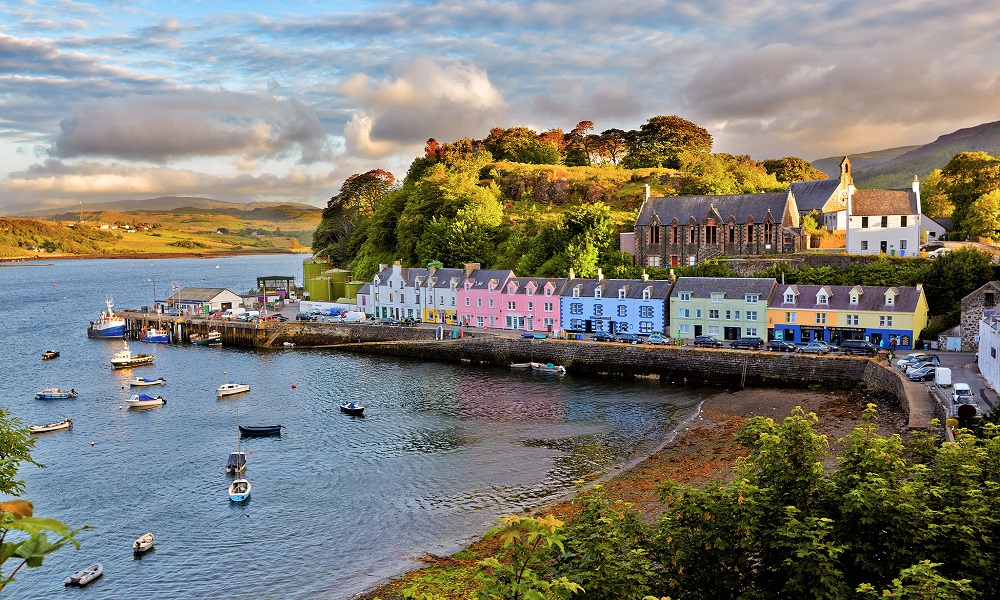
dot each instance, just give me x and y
(153, 281)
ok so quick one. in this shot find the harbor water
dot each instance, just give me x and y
(339, 503)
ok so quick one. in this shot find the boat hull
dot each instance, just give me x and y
(41, 396)
(229, 391)
(106, 331)
(260, 431)
(135, 361)
(82, 578)
(355, 410)
(239, 491)
(64, 424)
(144, 383)
(156, 338)
(143, 544)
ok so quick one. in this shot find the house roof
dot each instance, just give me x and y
(735, 287)
(540, 283)
(871, 299)
(740, 207)
(366, 289)
(659, 288)
(197, 294)
(480, 278)
(813, 195)
(442, 277)
(866, 203)
(943, 222)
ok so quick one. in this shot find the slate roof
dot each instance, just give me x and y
(866, 203)
(813, 195)
(872, 298)
(943, 222)
(610, 288)
(738, 206)
(480, 278)
(442, 277)
(540, 283)
(197, 294)
(366, 289)
(734, 287)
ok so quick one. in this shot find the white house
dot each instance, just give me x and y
(201, 300)
(989, 347)
(884, 221)
(935, 228)
(395, 292)
(828, 197)
(439, 295)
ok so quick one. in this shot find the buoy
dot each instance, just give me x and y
(91, 443)
(293, 386)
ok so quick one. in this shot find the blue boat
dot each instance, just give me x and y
(157, 336)
(108, 325)
(54, 394)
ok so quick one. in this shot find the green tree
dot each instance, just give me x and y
(792, 168)
(954, 275)
(523, 570)
(966, 177)
(983, 216)
(719, 174)
(934, 200)
(660, 141)
(359, 196)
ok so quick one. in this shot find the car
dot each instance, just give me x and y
(858, 347)
(932, 245)
(814, 347)
(780, 346)
(707, 341)
(656, 338)
(923, 374)
(387, 321)
(409, 322)
(961, 393)
(629, 338)
(603, 336)
(938, 253)
(748, 343)
(909, 359)
(304, 317)
(921, 365)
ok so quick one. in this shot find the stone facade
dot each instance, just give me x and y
(972, 313)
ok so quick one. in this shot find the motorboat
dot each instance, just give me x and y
(549, 368)
(108, 324)
(125, 359)
(156, 336)
(64, 424)
(50, 354)
(260, 431)
(85, 576)
(526, 365)
(237, 462)
(54, 394)
(239, 490)
(143, 544)
(352, 408)
(212, 338)
(228, 389)
(142, 381)
(144, 401)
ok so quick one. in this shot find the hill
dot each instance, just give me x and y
(163, 203)
(896, 167)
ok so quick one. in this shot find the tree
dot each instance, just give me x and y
(717, 174)
(983, 216)
(359, 196)
(660, 140)
(613, 145)
(934, 201)
(953, 276)
(792, 168)
(966, 177)
(577, 153)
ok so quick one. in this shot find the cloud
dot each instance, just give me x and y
(191, 123)
(446, 101)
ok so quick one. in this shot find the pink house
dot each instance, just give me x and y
(532, 303)
(480, 298)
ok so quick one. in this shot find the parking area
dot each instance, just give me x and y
(965, 370)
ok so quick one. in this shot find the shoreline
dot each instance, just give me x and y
(149, 255)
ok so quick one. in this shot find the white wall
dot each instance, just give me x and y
(892, 234)
(989, 351)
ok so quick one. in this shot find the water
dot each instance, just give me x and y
(339, 503)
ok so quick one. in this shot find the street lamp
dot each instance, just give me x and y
(153, 281)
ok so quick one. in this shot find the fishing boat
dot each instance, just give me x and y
(549, 368)
(50, 354)
(143, 544)
(156, 336)
(260, 430)
(212, 338)
(142, 381)
(228, 389)
(352, 408)
(239, 489)
(125, 359)
(54, 394)
(144, 401)
(64, 424)
(85, 576)
(108, 325)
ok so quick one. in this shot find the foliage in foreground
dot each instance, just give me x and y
(892, 520)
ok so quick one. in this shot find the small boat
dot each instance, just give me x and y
(288, 344)
(228, 389)
(237, 462)
(85, 576)
(125, 359)
(212, 338)
(260, 431)
(50, 354)
(549, 368)
(156, 336)
(64, 424)
(239, 490)
(526, 365)
(143, 543)
(108, 325)
(142, 381)
(54, 394)
(144, 401)
(352, 408)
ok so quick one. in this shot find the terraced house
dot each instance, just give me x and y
(480, 298)
(888, 317)
(439, 295)
(614, 305)
(532, 303)
(724, 308)
(394, 294)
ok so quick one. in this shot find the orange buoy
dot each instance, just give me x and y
(293, 386)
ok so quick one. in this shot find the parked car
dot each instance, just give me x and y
(932, 245)
(749, 343)
(707, 341)
(304, 317)
(814, 347)
(909, 359)
(780, 346)
(409, 322)
(387, 321)
(858, 347)
(921, 365)
(656, 338)
(603, 336)
(923, 374)
(629, 338)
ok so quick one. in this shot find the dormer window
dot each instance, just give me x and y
(621, 294)
(548, 290)
(576, 292)
(597, 292)
(889, 299)
(789, 298)
(854, 298)
(646, 294)
(718, 296)
(530, 290)
(822, 299)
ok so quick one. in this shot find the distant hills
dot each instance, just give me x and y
(895, 167)
(163, 204)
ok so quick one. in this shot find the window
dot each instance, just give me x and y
(768, 233)
(684, 296)
(646, 294)
(710, 234)
(492, 321)
(885, 221)
(511, 305)
(697, 313)
(750, 233)
(691, 231)
(576, 308)
(647, 311)
(576, 324)
(751, 298)
(821, 318)
(531, 306)
(729, 315)
(864, 222)
(822, 299)
(789, 297)
(621, 293)
(989, 299)
(622, 310)
(479, 321)
(598, 309)
(576, 292)
(854, 298)
(718, 296)
(751, 315)
(692, 260)
(751, 331)
(548, 291)
(479, 302)
(598, 292)
(453, 300)
(654, 234)
(548, 322)
(732, 234)
(713, 313)
(623, 327)
(902, 221)
(864, 244)
(713, 330)
(530, 291)
(654, 261)
(376, 296)
(889, 299)
(491, 304)
(852, 319)
(790, 317)
(736, 315)
(684, 313)
(547, 307)
(885, 321)
(675, 233)
(902, 244)
(683, 328)
(467, 302)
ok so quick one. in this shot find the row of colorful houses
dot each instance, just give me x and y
(726, 308)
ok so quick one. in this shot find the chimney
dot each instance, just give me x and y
(382, 267)
(469, 268)
(571, 276)
(600, 275)
(645, 192)
(397, 268)
(645, 276)
(673, 277)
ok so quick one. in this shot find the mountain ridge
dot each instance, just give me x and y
(160, 203)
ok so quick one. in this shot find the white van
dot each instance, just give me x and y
(962, 394)
(232, 313)
(353, 316)
(250, 314)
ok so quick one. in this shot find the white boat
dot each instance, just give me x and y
(549, 368)
(143, 544)
(526, 365)
(239, 489)
(125, 359)
(142, 381)
(227, 389)
(156, 336)
(108, 325)
(54, 394)
(213, 338)
(85, 576)
(144, 401)
(64, 424)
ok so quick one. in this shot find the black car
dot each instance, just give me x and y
(603, 336)
(749, 343)
(388, 321)
(780, 346)
(409, 322)
(707, 341)
(629, 338)
(304, 317)
(926, 374)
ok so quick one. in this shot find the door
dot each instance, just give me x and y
(697, 330)
(731, 333)
(883, 247)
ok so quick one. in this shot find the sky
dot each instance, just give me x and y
(282, 101)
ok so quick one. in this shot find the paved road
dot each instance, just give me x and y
(965, 370)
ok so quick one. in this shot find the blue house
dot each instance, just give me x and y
(614, 305)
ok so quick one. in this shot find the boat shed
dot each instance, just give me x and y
(202, 300)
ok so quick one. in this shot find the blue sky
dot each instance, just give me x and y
(282, 101)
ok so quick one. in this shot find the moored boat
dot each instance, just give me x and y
(66, 423)
(212, 338)
(142, 381)
(352, 408)
(239, 490)
(144, 401)
(54, 394)
(526, 365)
(549, 368)
(143, 544)
(125, 359)
(50, 354)
(156, 336)
(108, 325)
(259, 430)
(228, 389)
(85, 576)
(237, 462)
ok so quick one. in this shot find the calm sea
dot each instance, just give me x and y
(339, 503)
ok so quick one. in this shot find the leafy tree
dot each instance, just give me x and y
(718, 174)
(577, 152)
(966, 177)
(613, 145)
(934, 200)
(522, 145)
(660, 141)
(954, 275)
(810, 222)
(524, 568)
(983, 216)
(344, 213)
(792, 168)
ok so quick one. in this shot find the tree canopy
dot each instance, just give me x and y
(661, 140)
